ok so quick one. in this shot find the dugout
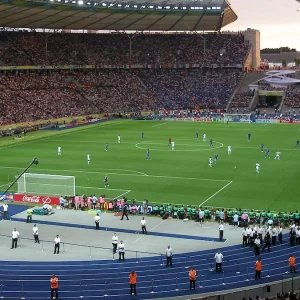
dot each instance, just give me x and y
(270, 98)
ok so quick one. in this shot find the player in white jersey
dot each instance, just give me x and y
(210, 162)
(88, 158)
(257, 166)
(173, 145)
(58, 150)
(277, 157)
(204, 137)
(119, 139)
(229, 150)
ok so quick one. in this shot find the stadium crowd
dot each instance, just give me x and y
(27, 96)
(242, 100)
(292, 97)
(32, 48)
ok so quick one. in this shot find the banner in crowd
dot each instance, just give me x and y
(7, 196)
(59, 67)
(273, 121)
(289, 121)
(270, 93)
(39, 200)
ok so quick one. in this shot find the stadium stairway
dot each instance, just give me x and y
(109, 278)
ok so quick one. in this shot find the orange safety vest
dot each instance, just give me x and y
(132, 278)
(54, 283)
(105, 206)
(292, 261)
(258, 265)
(192, 274)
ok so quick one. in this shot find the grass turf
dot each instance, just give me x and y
(181, 176)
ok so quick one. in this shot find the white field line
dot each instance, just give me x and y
(149, 230)
(159, 124)
(118, 197)
(4, 185)
(124, 174)
(266, 124)
(216, 193)
(97, 188)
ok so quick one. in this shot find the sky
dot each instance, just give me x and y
(277, 20)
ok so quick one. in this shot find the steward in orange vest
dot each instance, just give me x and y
(132, 281)
(258, 268)
(54, 287)
(192, 277)
(292, 263)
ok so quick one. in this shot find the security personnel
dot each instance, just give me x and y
(54, 286)
(35, 231)
(132, 282)
(97, 220)
(15, 236)
(292, 263)
(115, 242)
(56, 244)
(121, 251)
(192, 277)
(125, 212)
(219, 261)
(258, 268)
(29, 215)
(257, 246)
(143, 224)
(221, 231)
(169, 254)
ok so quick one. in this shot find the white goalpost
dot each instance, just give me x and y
(45, 184)
(237, 118)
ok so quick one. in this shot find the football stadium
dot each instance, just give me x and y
(146, 153)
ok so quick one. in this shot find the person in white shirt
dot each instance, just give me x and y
(97, 221)
(173, 145)
(229, 150)
(257, 246)
(35, 231)
(58, 150)
(204, 137)
(143, 224)
(280, 235)
(115, 243)
(169, 254)
(219, 261)
(257, 166)
(221, 231)
(15, 236)
(56, 244)
(88, 158)
(5, 211)
(121, 251)
(210, 162)
(235, 221)
(277, 156)
(119, 139)
(201, 217)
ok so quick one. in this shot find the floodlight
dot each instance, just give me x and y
(159, 7)
(143, 6)
(151, 6)
(176, 7)
(126, 6)
(135, 6)
(80, 2)
(119, 5)
(184, 7)
(167, 7)
(103, 4)
(208, 8)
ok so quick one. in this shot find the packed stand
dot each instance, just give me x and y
(31, 48)
(242, 100)
(199, 89)
(292, 97)
(43, 95)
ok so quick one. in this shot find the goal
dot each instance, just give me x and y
(45, 184)
(237, 118)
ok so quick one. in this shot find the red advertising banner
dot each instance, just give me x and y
(39, 200)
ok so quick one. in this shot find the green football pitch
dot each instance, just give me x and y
(181, 176)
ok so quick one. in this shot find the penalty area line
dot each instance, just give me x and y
(216, 193)
(159, 124)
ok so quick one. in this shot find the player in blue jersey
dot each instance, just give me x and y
(211, 143)
(148, 155)
(106, 147)
(216, 158)
(249, 137)
(267, 153)
(297, 144)
(197, 135)
(262, 147)
(142, 135)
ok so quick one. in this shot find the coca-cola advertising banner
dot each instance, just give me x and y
(38, 200)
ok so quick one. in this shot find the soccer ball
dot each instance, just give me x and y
(235, 167)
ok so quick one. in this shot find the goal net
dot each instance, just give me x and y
(45, 184)
(237, 118)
